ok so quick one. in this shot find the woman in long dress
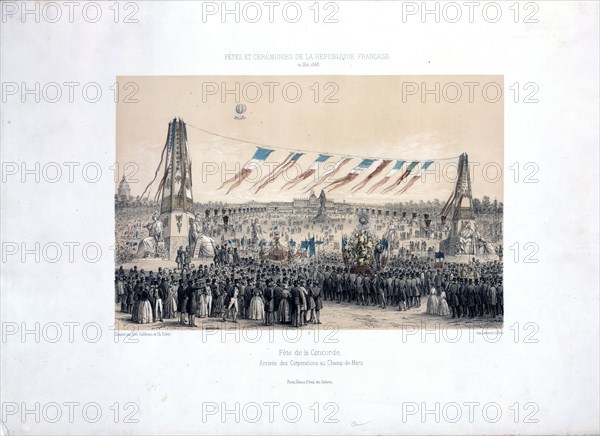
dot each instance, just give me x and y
(219, 302)
(170, 303)
(145, 309)
(135, 311)
(432, 303)
(257, 307)
(443, 309)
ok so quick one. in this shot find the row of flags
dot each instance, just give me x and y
(400, 171)
(309, 245)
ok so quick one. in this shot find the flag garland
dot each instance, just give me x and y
(294, 155)
(353, 174)
(416, 177)
(331, 172)
(369, 177)
(280, 169)
(260, 156)
(395, 169)
(309, 172)
(404, 175)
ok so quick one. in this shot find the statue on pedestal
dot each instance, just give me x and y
(322, 214)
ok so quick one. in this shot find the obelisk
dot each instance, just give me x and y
(176, 199)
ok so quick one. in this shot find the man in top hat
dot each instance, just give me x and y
(269, 296)
(295, 304)
(303, 302)
(453, 298)
(181, 302)
(232, 306)
(191, 294)
(157, 295)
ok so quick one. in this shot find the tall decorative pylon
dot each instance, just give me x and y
(175, 189)
(459, 208)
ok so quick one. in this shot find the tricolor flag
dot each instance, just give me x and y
(356, 171)
(306, 174)
(395, 169)
(311, 247)
(375, 173)
(257, 160)
(417, 176)
(289, 161)
(330, 172)
(404, 175)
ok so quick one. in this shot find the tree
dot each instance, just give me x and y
(486, 205)
(477, 206)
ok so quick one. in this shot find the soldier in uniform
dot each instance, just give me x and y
(180, 258)
(187, 258)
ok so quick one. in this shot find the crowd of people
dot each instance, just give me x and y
(132, 222)
(273, 293)
(240, 283)
(269, 294)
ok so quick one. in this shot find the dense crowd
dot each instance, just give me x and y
(132, 225)
(277, 293)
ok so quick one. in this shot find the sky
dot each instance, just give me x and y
(384, 117)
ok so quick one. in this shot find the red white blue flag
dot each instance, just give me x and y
(395, 169)
(330, 172)
(404, 175)
(370, 177)
(309, 172)
(260, 156)
(356, 171)
(289, 161)
(416, 176)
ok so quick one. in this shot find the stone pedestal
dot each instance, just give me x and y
(450, 246)
(321, 218)
(176, 231)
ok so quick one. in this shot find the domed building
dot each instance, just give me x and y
(124, 191)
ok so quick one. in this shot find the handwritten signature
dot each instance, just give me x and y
(358, 424)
